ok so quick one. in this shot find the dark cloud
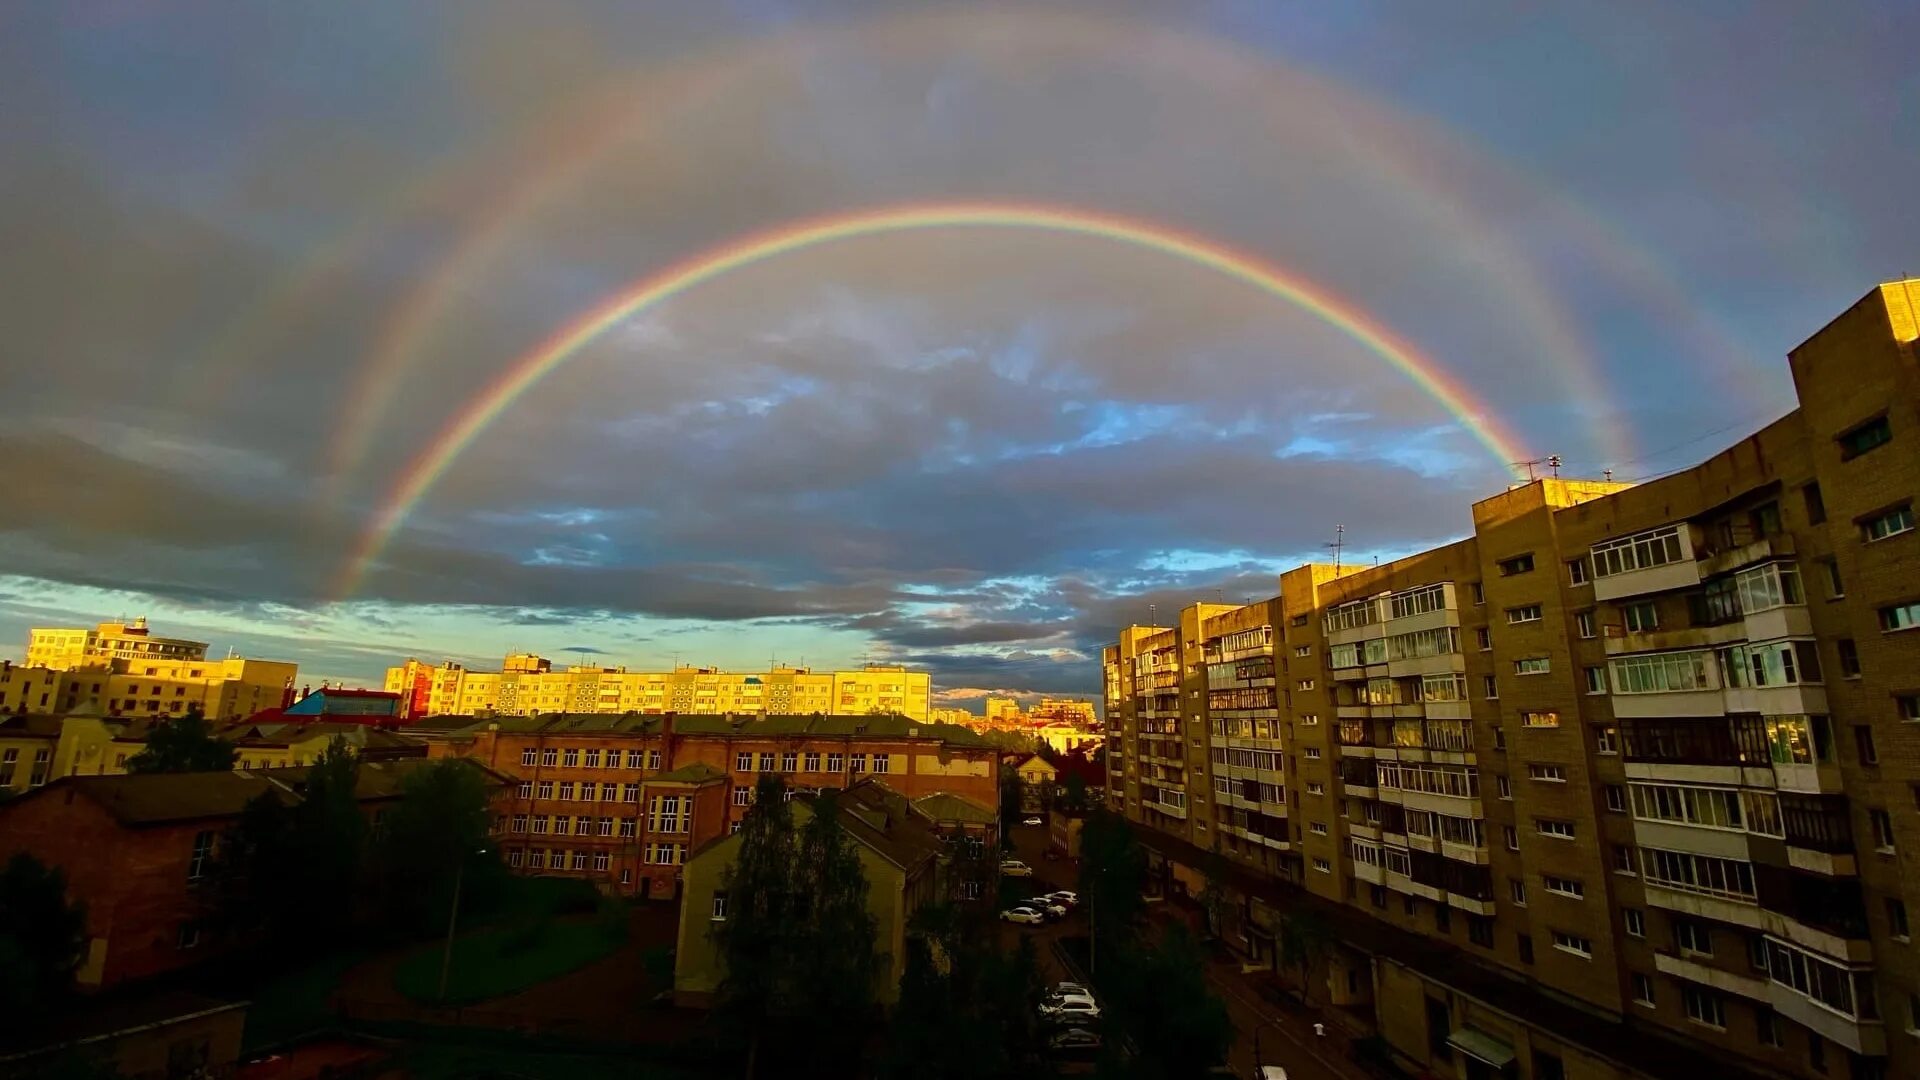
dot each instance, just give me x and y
(980, 451)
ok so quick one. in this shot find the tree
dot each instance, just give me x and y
(967, 1006)
(436, 833)
(1179, 1026)
(1009, 805)
(184, 745)
(298, 870)
(42, 937)
(1113, 879)
(1303, 941)
(756, 938)
(833, 954)
(1074, 801)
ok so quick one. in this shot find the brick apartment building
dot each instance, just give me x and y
(621, 799)
(139, 851)
(1622, 785)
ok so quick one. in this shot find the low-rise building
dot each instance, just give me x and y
(1037, 778)
(908, 864)
(621, 800)
(139, 852)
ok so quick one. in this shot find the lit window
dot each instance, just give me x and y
(1546, 719)
(1532, 665)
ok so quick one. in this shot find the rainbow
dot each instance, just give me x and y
(439, 455)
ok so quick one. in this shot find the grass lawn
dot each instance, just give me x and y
(500, 961)
(295, 1002)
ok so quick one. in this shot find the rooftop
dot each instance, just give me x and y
(874, 725)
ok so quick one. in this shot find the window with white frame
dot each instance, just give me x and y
(811, 762)
(570, 759)
(1552, 774)
(1564, 886)
(743, 796)
(1573, 943)
(718, 912)
(1887, 523)
(1532, 665)
(202, 856)
(1642, 989)
(667, 813)
(1704, 1006)
(1583, 622)
(743, 761)
(528, 755)
(1635, 922)
(1524, 614)
(1554, 827)
(1641, 551)
(1663, 673)
(600, 861)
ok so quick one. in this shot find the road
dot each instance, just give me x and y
(1283, 1039)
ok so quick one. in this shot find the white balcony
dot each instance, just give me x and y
(1802, 700)
(1371, 874)
(1719, 843)
(1708, 702)
(1681, 967)
(1469, 905)
(1401, 883)
(1620, 640)
(1860, 1036)
(1441, 664)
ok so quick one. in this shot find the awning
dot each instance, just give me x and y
(1479, 1045)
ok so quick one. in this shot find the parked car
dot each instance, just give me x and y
(1069, 989)
(1015, 868)
(1073, 1040)
(1033, 821)
(1022, 914)
(1048, 907)
(1070, 1010)
(1065, 896)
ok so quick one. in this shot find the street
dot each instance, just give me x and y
(1283, 1039)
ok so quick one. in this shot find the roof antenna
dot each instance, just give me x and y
(1551, 461)
(1338, 545)
(1608, 473)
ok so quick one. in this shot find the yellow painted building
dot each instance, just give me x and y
(528, 686)
(76, 646)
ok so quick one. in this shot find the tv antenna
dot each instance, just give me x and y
(1338, 545)
(1551, 461)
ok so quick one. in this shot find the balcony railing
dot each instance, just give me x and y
(1817, 822)
(1729, 740)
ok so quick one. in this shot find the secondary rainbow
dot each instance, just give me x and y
(439, 455)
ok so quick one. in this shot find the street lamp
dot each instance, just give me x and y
(453, 917)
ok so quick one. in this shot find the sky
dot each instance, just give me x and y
(261, 263)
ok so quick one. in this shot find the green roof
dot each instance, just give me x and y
(877, 725)
(942, 806)
(698, 772)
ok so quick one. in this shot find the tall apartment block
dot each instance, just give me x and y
(1623, 785)
(527, 685)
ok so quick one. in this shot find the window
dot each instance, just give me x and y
(1704, 874)
(189, 936)
(1318, 828)
(515, 857)
(537, 858)
(1836, 588)
(1815, 505)
(1489, 688)
(1532, 665)
(1642, 989)
(1900, 616)
(579, 860)
(859, 762)
(202, 855)
(1554, 774)
(1499, 738)
(742, 796)
(1525, 614)
(519, 823)
(766, 761)
(1477, 591)
(969, 890)
(634, 759)
(790, 761)
(882, 762)
(1908, 706)
(591, 759)
(1484, 638)
(1897, 917)
(582, 826)
(1479, 930)
(1641, 617)
(1513, 837)
(1306, 684)
(835, 763)
(528, 756)
(1554, 827)
(719, 911)
(1564, 887)
(653, 759)
(538, 823)
(526, 789)
(671, 813)
(600, 861)
(549, 757)
(1662, 673)
(570, 759)
(1863, 743)
(1577, 572)
(1849, 658)
(811, 763)
(1504, 786)
(630, 793)
(566, 791)
(1882, 824)
(1606, 739)
(1858, 440)
(1634, 921)
(1517, 891)
(1316, 788)
(1519, 564)
(1616, 797)
(1887, 523)
(1313, 753)
(1323, 866)
(1692, 937)
(1573, 943)
(1641, 551)
(1766, 1026)
(743, 761)
(1540, 719)
(629, 827)
(1704, 1006)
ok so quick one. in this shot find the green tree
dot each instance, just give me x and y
(327, 839)
(437, 832)
(42, 938)
(1179, 1027)
(1303, 941)
(1009, 805)
(1074, 801)
(967, 1005)
(756, 938)
(1113, 880)
(834, 949)
(183, 745)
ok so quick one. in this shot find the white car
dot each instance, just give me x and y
(1050, 908)
(1023, 914)
(1069, 989)
(1033, 821)
(1015, 868)
(1071, 1010)
(1073, 1040)
(1065, 896)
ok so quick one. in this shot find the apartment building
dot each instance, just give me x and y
(76, 646)
(527, 685)
(1622, 785)
(621, 800)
